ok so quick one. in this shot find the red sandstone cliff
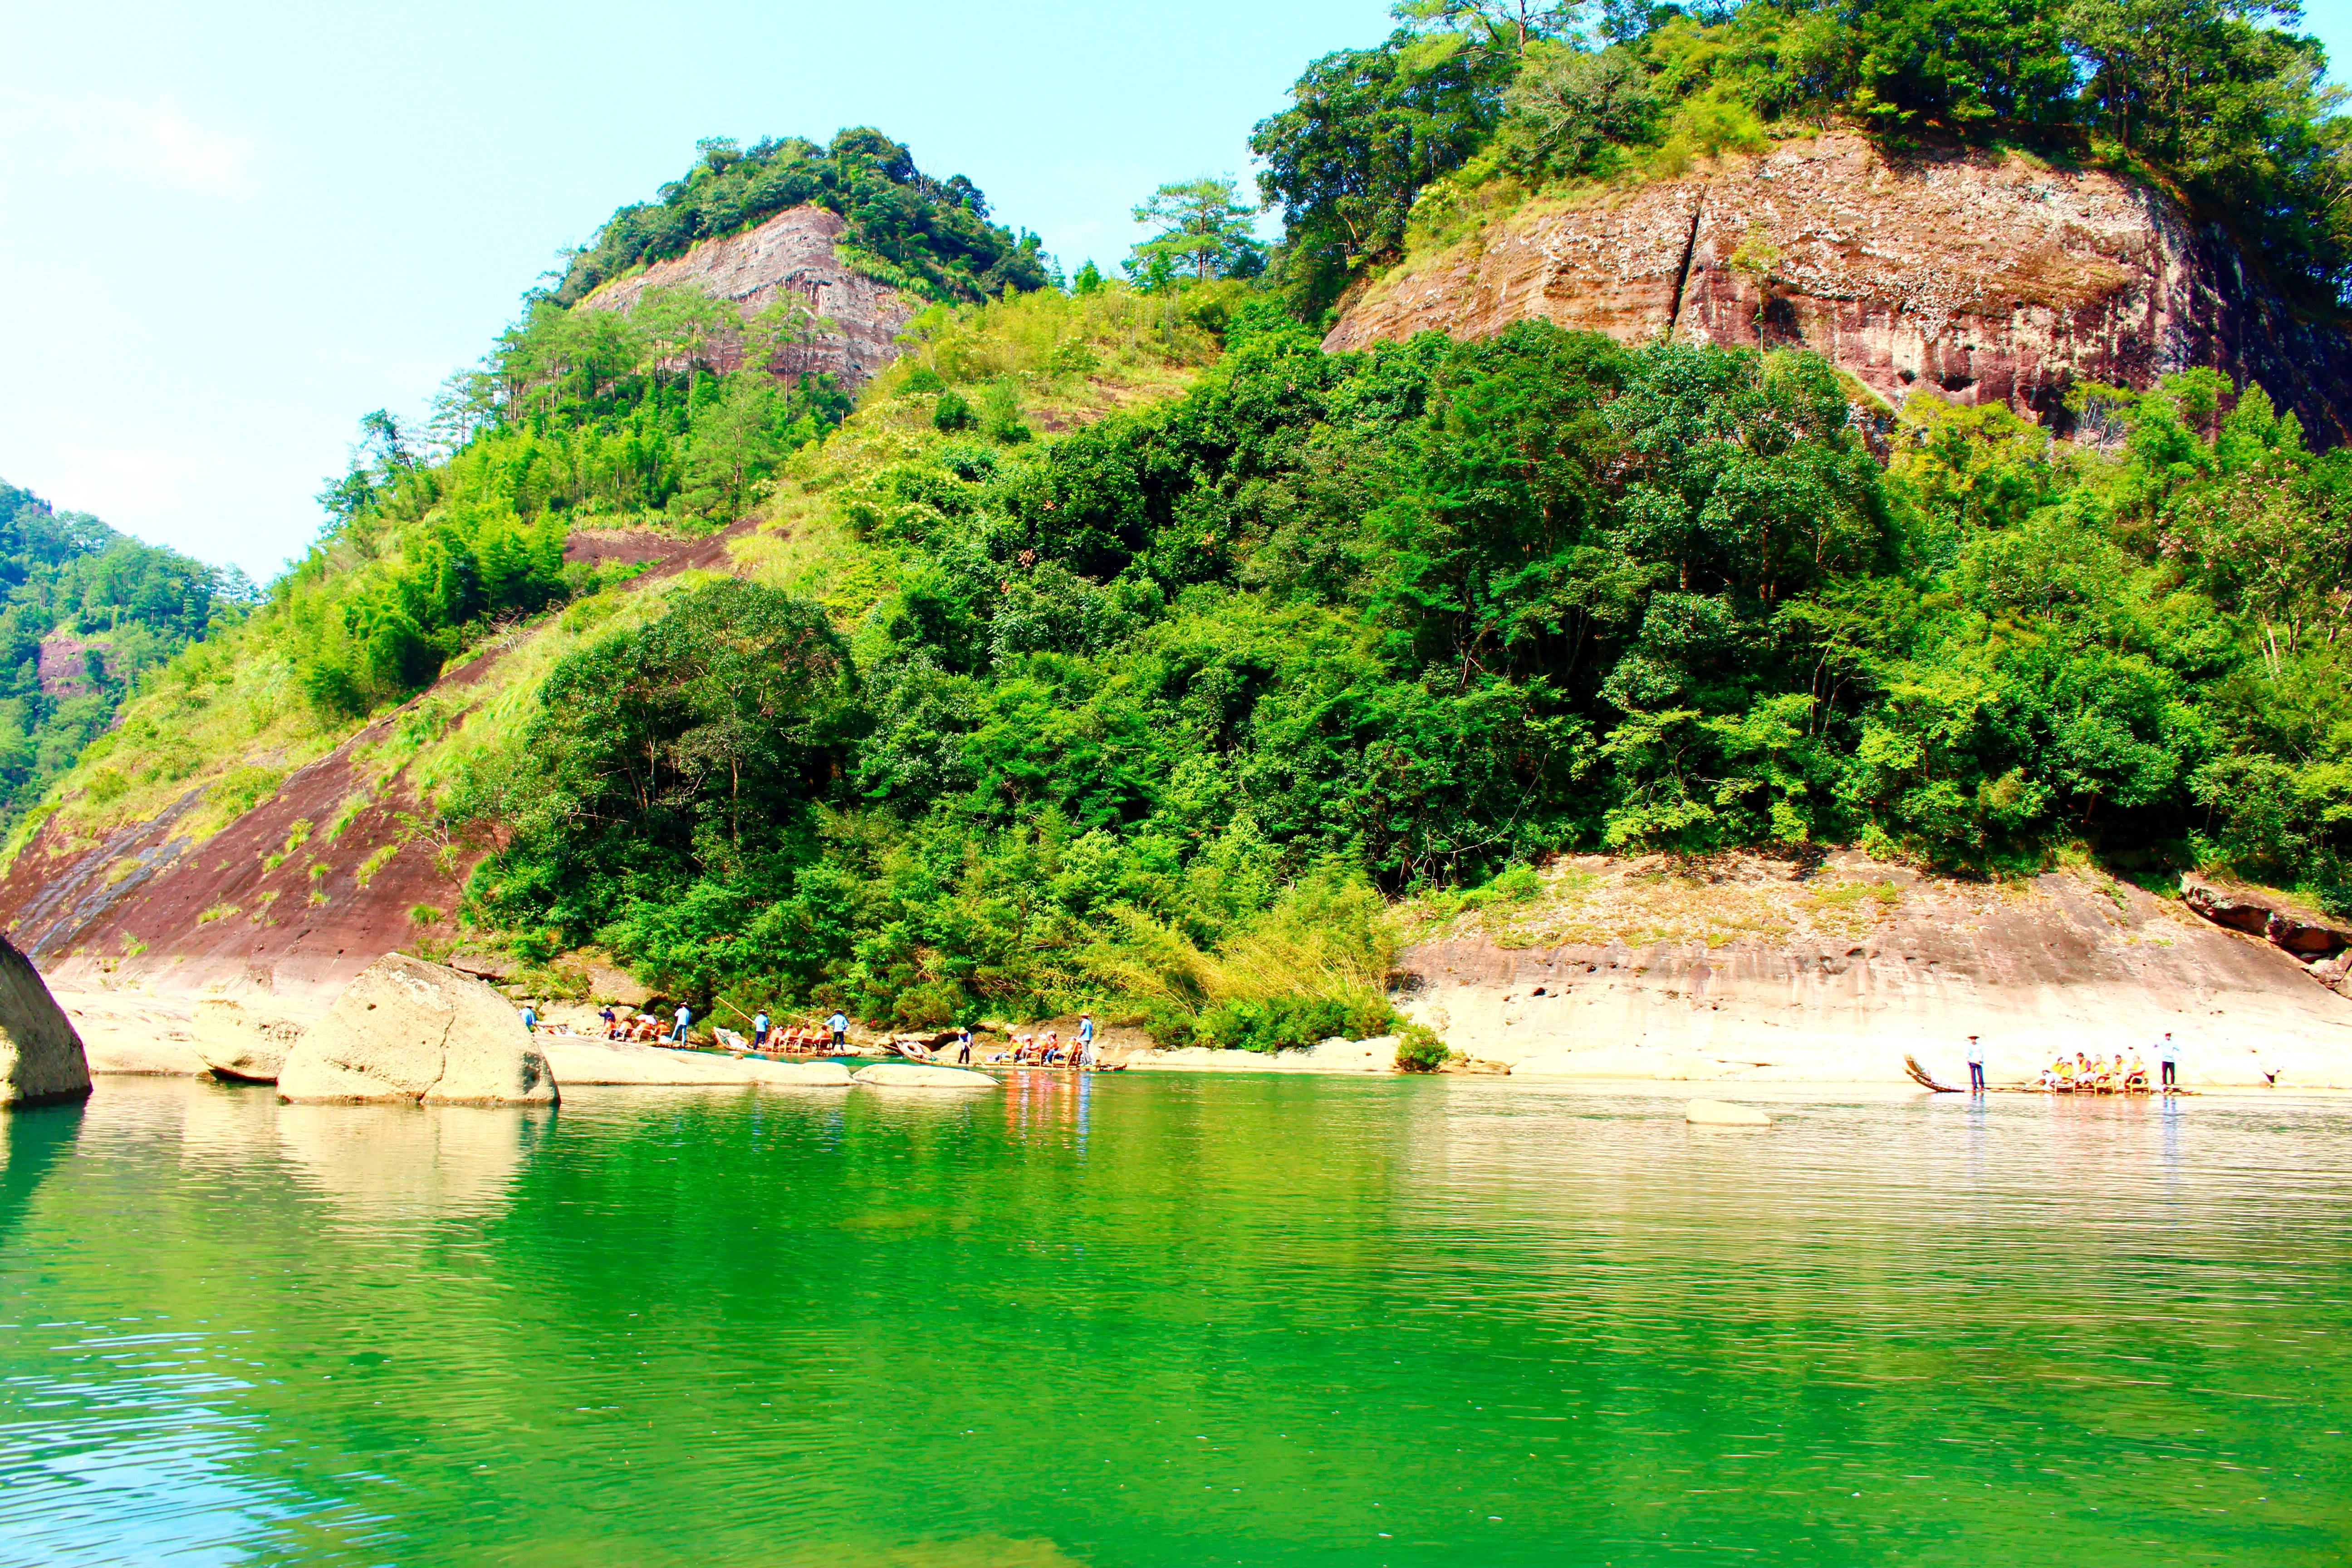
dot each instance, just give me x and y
(1987, 277)
(790, 257)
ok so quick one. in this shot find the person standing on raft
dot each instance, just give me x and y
(685, 1017)
(1976, 1066)
(838, 1025)
(963, 1044)
(2168, 1058)
(1085, 1055)
(760, 1030)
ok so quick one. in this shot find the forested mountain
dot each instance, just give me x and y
(87, 612)
(1124, 646)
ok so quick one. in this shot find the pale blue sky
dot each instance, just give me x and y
(227, 231)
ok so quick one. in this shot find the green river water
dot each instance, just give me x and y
(1175, 1320)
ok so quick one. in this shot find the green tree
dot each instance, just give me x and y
(1202, 227)
(1568, 107)
(1367, 129)
(682, 328)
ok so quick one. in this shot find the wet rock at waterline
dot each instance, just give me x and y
(1723, 1113)
(914, 1075)
(406, 1029)
(40, 1056)
(241, 1044)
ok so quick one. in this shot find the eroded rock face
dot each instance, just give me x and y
(238, 1043)
(790, 257)
(408, 1030)
(1985, 278)
(2285, 924)
(2226, 906)
(40, 1056)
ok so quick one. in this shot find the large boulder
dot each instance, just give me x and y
(407, 1030)
(40, 1056)
(240, 1044)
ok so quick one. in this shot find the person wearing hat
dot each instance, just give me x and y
(1976, 1066)
(1085, 1055)
(2167, 1060)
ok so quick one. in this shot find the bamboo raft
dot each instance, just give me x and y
(1927, 1080)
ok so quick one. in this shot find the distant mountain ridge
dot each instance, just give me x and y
(84, 612)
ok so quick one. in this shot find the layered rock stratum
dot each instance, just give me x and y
(792, 257)
(1986, 277)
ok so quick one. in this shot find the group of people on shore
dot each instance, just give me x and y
(830, 1037)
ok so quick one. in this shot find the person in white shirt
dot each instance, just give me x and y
(2168, 1055)
(685, 1017)
(1976, 1066)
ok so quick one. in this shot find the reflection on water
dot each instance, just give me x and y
(417, 1160)
(1175, 1320)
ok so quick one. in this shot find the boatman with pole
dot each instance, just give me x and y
(838, 1026)
(1085, 1039)
(1976, 1066)
(2167, 1054)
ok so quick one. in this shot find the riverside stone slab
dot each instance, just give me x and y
(579, 1060)
(41, 1057)
(407, 1030)
(914, 1075)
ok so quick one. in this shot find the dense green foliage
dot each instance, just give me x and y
(2217, 95)
(114, 609)
(904, 226)
(581, 416)
(1186, 677)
